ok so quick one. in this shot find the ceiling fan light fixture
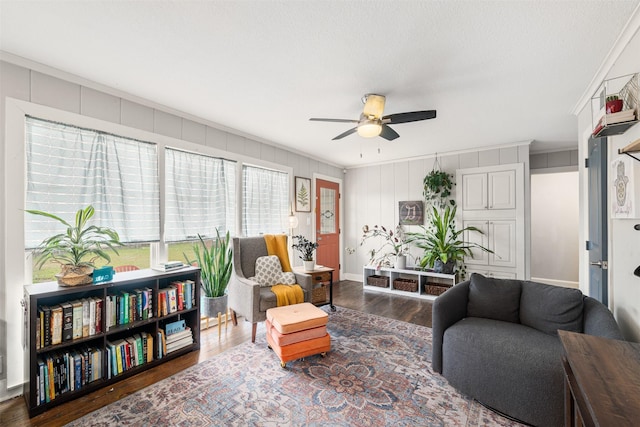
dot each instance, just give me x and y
(369, 129)
(373, 105)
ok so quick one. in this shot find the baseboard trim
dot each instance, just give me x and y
(352, 277)
(6, 394)
(563, 283)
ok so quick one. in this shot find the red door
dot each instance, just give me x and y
(328, 225)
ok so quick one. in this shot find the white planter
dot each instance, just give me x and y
(309, 265)
(401, 262)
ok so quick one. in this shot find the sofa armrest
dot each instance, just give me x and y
(599, 321)
(244, 297)
(305, 282)
(448, 308)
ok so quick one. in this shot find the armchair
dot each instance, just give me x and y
(246, 297)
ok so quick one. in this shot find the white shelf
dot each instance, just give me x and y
(423, 278)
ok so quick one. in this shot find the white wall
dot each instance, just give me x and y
(554, 228)
(41, 85)
(624, 241)
(374, 193)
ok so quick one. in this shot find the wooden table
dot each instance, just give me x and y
(602, 381)
(316, 271)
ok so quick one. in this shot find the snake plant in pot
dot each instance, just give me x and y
(77, 248)
(443, 246)
(215, 262)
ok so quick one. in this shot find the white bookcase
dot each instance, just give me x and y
(423, 278)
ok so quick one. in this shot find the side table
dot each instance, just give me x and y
(601, 380)
(317, 276)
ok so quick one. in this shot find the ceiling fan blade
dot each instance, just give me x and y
(347, 133)
(333, 120)
(413, 116)
(388, 133)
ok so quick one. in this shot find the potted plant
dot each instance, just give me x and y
(614, 104)
(215, 264)
(77, 248)
(393, 249)
(306, 248)
(437, 188)
(443, 248)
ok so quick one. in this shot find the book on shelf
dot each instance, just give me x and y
(169, 266)
(67, 321)
(56, 325)
(181, 343)
(77, 318)
(85, 317)
(179, 335)
(173, 327)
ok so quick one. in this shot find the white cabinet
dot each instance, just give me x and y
(492, 200)
(427, 284)
(498, 236)
(489, 190)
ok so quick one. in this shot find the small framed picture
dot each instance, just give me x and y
(411, 212)
(303, 194)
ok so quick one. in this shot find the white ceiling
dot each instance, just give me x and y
(498, 72)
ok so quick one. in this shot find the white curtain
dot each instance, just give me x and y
(265, 199)
(200, 195)
(69, 168)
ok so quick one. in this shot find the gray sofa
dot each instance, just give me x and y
(496, 340)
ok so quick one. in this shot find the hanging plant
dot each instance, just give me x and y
(437, 188)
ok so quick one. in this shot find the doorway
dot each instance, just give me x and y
(328, 224)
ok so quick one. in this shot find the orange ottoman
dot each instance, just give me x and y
(296, 331)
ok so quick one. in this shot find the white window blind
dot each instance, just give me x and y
(265, 199)
(69, 168)
(200, 195)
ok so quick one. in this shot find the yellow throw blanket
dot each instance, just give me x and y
(288, 294)
(277, 245)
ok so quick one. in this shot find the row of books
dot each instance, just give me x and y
(129, 306)
(68, 321)
(63, 372)
(128, 353)
(175, 336)
(178, 296)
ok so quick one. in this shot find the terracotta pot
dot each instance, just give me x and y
(614, 106)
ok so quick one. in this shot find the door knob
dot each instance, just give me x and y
(602, 264)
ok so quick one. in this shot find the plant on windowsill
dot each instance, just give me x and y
(394, 248)
(215, 264)
(306, 248)
(77, 248)
(444, 250)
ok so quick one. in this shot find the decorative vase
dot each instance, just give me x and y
(72, 275)
(614, 106)
(401, 262)
(309, 265)
(211, 306)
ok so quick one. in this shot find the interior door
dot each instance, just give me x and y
(597, 243)
(328, 225)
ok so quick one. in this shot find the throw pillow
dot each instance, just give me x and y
(288, 278)
(548, 308)
(268, 270)
(497, 299)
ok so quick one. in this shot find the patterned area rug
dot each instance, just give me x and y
(378, 373)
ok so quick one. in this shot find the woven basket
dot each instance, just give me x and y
(319, 294)
(75, 276)
(379, 281)
(408, 285)
(433, 289)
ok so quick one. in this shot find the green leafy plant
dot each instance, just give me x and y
(393, 245)
(215, 264)
(440, 240)
(305, 247)
(80, 245)
(437, 188)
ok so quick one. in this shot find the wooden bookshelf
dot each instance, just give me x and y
(51, 294)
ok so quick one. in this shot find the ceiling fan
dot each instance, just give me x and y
(372, 123)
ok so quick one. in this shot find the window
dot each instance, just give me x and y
(69, 167)
(265, 199)
(200, 195)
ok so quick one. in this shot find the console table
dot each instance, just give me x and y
(602, 381)
(424, 280)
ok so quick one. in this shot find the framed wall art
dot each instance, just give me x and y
(303, 194)
(411, 212)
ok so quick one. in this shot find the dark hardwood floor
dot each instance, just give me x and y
(346, 294)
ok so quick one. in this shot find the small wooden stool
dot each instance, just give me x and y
(296, 331)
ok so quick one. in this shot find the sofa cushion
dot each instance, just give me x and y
(497, 299)
(548, 308)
